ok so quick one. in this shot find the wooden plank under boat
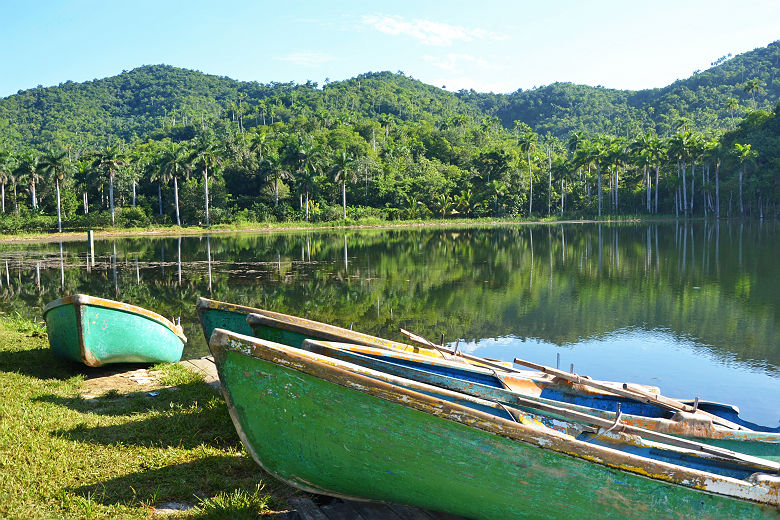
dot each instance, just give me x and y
(335, 428)
(97, 331)
(486, 384)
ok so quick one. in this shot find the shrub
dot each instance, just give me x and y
(131, 217)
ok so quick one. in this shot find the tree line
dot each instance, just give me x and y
(316, 167)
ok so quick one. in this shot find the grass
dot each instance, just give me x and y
(336, 224)
(121, 454)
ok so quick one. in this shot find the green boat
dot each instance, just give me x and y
(97, 331)
(330, 427)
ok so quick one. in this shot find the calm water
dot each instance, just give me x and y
(694, 309)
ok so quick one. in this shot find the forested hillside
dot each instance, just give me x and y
(711, 100)
(174, 146)
(143, 101)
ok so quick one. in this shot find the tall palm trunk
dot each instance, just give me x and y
(59, 216)
(176, 199)
(598, 174)
(741, 207)
(133, 192)
(16, 202)
(649, 187)
(684, 191)
(717, 189)
(2, 195)
(657, 175)
(307, 204)
(159, 195)
(32, 192)
(276, 188)
(344, 197)
(530, 187)
(206, 189)
(111, 194)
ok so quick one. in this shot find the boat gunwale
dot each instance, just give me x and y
(302, 325)
(764, 490)
(80, 300)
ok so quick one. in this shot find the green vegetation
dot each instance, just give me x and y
(116, 455)
(160, 146)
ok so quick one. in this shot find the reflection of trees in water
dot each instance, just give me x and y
(717, 283)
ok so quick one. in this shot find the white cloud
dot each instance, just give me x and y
(307, 58)
(427, 31)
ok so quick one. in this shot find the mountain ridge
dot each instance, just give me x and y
(135, 104)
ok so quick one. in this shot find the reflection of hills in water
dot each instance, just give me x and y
(718, 284)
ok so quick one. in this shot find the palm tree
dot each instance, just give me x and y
(176, 161)
(753, 86)
(109, 159)
(53, 163)
(680, 148)
(732, 104)
(82, 175)
(643, 157)
(13, 181)
(527, 142)
(304, 156)
(206, 154)
(497, 190)
(341, 169)
(657, 151)
(28, 169)
(744, 154)
(6, 170)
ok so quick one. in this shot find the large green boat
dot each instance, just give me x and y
(331, 427)
(97, 331)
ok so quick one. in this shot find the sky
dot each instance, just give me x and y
(487, 46)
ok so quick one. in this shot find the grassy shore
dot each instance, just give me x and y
(67, 454)
(273, 227)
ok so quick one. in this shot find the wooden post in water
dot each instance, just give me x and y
(91, 240)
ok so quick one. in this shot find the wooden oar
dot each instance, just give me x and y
(657, 400)
(632, 393)
(616, 426)
(601, 422)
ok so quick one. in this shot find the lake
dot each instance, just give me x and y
(691, 307)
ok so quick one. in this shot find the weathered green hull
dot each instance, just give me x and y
(337, 434)
(223, 317)
(97, 331)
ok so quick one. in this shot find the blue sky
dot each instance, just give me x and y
(485, 46)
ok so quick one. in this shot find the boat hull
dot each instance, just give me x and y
(330, 432)
(96, 331)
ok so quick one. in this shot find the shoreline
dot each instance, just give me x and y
(74, 236)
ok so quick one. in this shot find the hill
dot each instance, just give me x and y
(152, 100)
(561, 108)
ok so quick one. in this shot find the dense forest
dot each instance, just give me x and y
(165, 145)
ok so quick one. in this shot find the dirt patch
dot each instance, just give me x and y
(141, 380)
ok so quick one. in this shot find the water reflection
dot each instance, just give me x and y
(712, 288)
